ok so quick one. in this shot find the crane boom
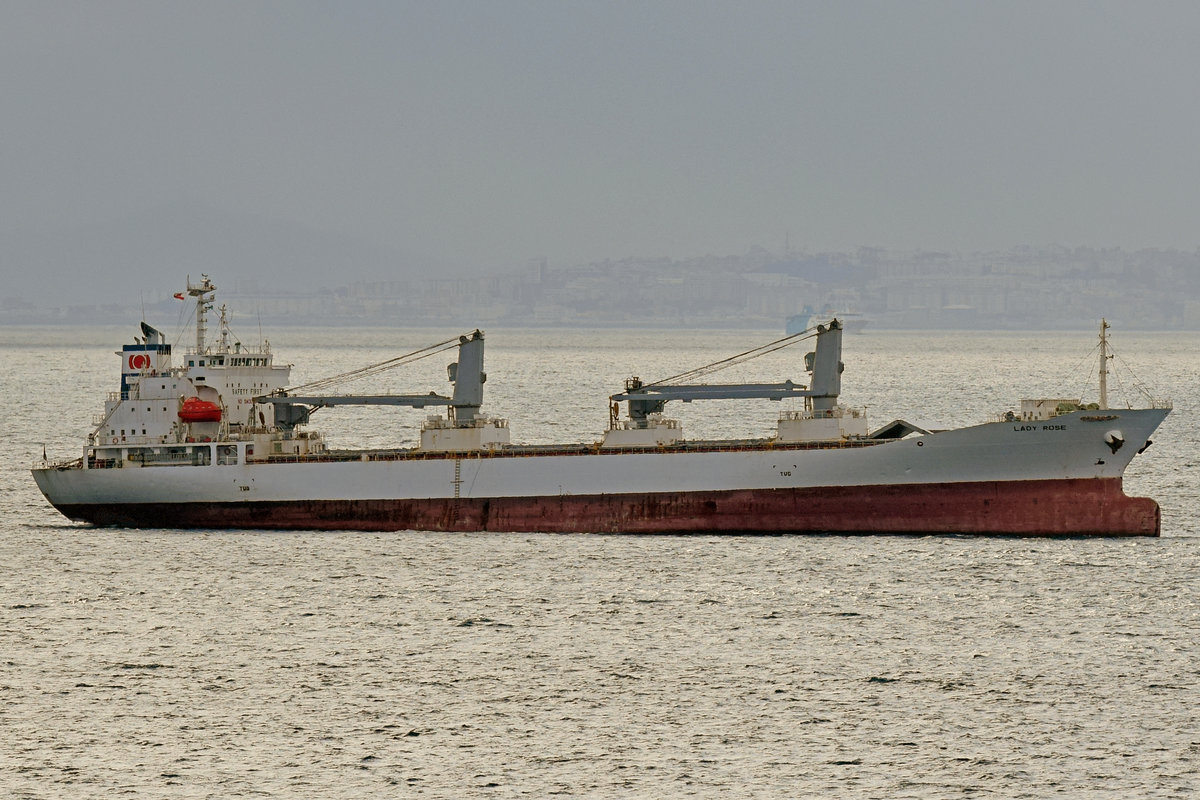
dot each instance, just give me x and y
(824, 364)
(466, 374)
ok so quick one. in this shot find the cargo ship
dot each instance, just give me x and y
(220, 440)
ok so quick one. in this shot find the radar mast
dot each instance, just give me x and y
(203, 292)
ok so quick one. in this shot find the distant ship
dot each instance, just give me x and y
(852, 321)
(219, 440)
(798, 323)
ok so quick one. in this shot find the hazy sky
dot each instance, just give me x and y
(485, 134)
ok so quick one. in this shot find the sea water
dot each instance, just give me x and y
(154, 663)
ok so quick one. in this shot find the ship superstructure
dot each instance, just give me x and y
(221, 440)
(209, 396)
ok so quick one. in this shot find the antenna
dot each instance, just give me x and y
(1104, 357)
(224, 329)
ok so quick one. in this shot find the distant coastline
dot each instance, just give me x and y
(1049, 288)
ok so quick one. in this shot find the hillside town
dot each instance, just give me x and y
(1041, 288)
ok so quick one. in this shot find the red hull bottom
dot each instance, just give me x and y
(1077, 507)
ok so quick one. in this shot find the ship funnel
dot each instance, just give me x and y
(153, 335)
(150, 356)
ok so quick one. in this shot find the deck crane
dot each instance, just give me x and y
(824, 364)
(294, 408)
(645, 424)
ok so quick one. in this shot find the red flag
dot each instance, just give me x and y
(179, 295)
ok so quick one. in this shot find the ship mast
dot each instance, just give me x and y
(1104, 357)
(200, 291)
(224, 329)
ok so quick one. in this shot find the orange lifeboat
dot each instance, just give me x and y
(196, 410)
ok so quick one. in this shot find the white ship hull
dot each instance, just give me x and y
(1057, 477)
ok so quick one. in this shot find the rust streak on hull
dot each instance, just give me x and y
(1075, 507)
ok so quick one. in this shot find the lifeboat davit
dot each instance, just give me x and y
(196, 410)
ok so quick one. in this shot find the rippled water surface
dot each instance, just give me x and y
(236, 664)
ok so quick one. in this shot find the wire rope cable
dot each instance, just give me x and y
(734, 360)
(375, 369)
